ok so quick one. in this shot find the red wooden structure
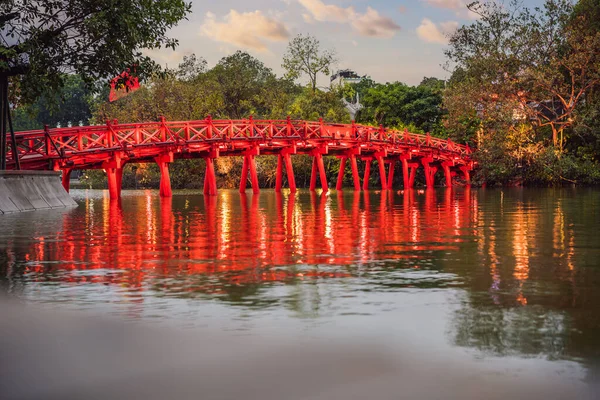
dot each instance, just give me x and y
(111, 146)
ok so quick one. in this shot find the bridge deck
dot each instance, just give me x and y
(111, 146)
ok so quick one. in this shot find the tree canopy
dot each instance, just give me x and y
(521, 78)
(96, 39)
(305, 56)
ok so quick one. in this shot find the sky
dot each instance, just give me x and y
(388, 40)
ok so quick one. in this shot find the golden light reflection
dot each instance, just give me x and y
(237, 239)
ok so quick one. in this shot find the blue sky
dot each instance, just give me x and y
(388, 40)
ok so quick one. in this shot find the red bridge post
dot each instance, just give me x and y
(340, 179)
(279, 173)
(115, 176)
(210, 180)
(165, 180)
(290, 172)
(66, 178)
(390, 181)
(285, 157)
(413, 173)
(405, 177)
(355, 176)
(367, 173)
(319, 167)
(429, 171)
(382, 174)
(447, 174)
(466, 174)
(250, 166)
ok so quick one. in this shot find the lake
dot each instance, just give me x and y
(502, 278)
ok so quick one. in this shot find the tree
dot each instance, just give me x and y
(69, 106)
(242, 82)
(312, 105)
(417, 108)
(304, 56)
(97, 39)
(540, 64)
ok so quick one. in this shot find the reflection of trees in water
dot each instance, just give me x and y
(535, 288)
(527, 258)
(515, 331)
(237, 248)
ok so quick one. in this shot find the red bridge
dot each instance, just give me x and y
(111, 146)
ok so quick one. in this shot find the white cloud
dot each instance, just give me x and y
(371, 23)
(459, 6)
(428, 31)
(449, 4)
(328, 12)
(249, 29)
(308, 18)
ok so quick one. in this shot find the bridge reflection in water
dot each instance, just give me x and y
(518, 266)
(255, 238)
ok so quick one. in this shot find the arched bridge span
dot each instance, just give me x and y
(111, 146)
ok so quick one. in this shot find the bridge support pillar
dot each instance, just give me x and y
(390, 181)
(382, 174)
(115, 176)
(210, 179)
(405, 176)
(447, 174)
(282, 158)
(413, 174)
(367, 174)
(289, 169)
(249, 166)
(318, 167)
(340, 179)
(353, 166)
(66, 178)
(279, 173)
(355, 176)
(466, 174)
(165, 180)
(429, 172)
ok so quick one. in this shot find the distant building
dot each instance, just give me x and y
(344, 76)
(348, 76)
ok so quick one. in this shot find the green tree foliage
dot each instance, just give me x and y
(304, 56)
(97, 39)
(417, 108)
(69, 106)
(524, 80)
(312, 105)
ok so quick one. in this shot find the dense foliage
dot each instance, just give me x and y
(97, 39)
(524, 91)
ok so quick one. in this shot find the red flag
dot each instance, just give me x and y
(122, 85)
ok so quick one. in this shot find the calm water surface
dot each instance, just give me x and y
(510, 278)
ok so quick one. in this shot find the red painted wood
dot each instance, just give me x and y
(290, 172)
(390, 182)
(382, 176)
(92, 147)
(367, 175)
(355, 176)
(279, 173)
(340, 179)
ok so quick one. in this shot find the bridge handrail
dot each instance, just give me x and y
(49, 142)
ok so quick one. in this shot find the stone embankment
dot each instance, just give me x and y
(32, 190)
